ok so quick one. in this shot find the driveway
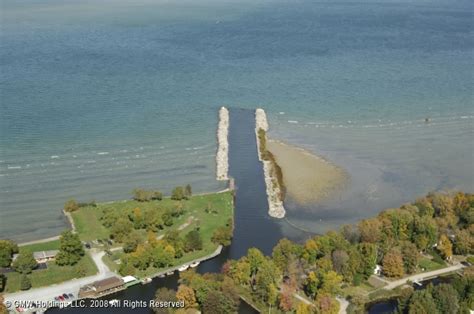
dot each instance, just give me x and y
(48, 293)
(420, 277)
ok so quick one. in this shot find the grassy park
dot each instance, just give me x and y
(205, 213)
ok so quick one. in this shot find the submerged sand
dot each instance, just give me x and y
(307, 177)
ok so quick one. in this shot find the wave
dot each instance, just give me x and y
(103, 153)
(54, 157)
(14, 167)
(293, 121)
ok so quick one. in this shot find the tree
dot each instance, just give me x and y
(186, 294)
(410, 257)
(331, 282)
(188, 192)
(25, 282)
(464, 242)
(286, 299)
(368, 252)
(445, 246)
(132, 241)
(339, 260)
(283, 253)
(178, 193)
(446, 298)
(156, 195)
(222, 235)
(70, 249)
(325, 304)
(217, 302)
(71, 205)
(3, 308)
(311, 284)
(7, 249)
(393, 264)
(421, 302)
(25, 263)
(164, 294)
(370, 230)
(138, 219)
(303, 308)
(121, 229)
(193, 241)
(351, 233)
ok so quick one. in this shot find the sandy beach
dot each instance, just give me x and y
(307, 177)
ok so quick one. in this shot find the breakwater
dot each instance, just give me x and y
(273, 188)
(222, 156)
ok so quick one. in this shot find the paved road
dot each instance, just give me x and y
(72, 286)
(343, 304)
(420, 277)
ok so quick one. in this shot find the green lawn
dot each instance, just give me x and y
(429, 265)
(54, 274)
(89, 226)
(51, 245)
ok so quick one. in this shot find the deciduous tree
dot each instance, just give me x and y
(393, 264)
(25, 263)
(70, 249)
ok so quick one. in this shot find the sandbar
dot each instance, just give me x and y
(308, 178)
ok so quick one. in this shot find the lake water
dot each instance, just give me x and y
(100, 97)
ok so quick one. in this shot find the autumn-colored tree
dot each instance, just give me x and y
(393, 263)
(370, 230)
(186, 294)
(71, 205)
(445, 246)
(303, 308)
(286, 299)
(326, 304)
(339, 260)
(330, 283)
(164, 294)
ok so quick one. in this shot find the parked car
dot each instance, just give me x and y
(65, 296)
(57, 299)
(71, 296)
(61, 298)
(87, 245)
(110, 242)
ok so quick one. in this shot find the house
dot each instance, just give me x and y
(42, 256)
(101, 287)
(378, 270)
(45, 256)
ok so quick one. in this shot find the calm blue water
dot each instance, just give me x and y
(100, 97)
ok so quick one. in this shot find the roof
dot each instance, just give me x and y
(45, 254)
(107, 283)
(128, 279)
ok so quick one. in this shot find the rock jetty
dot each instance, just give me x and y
(275, 203)
(222, 156)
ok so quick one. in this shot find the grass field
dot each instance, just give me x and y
(429, 265)
(89, 226)
(51, 245)
(53, 274)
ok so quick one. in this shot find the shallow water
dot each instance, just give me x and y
(100, 97)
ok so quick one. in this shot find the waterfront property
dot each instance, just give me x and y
(102, 287)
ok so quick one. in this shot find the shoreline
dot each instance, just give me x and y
(307, 177)
(275, 203)
(222, 156)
